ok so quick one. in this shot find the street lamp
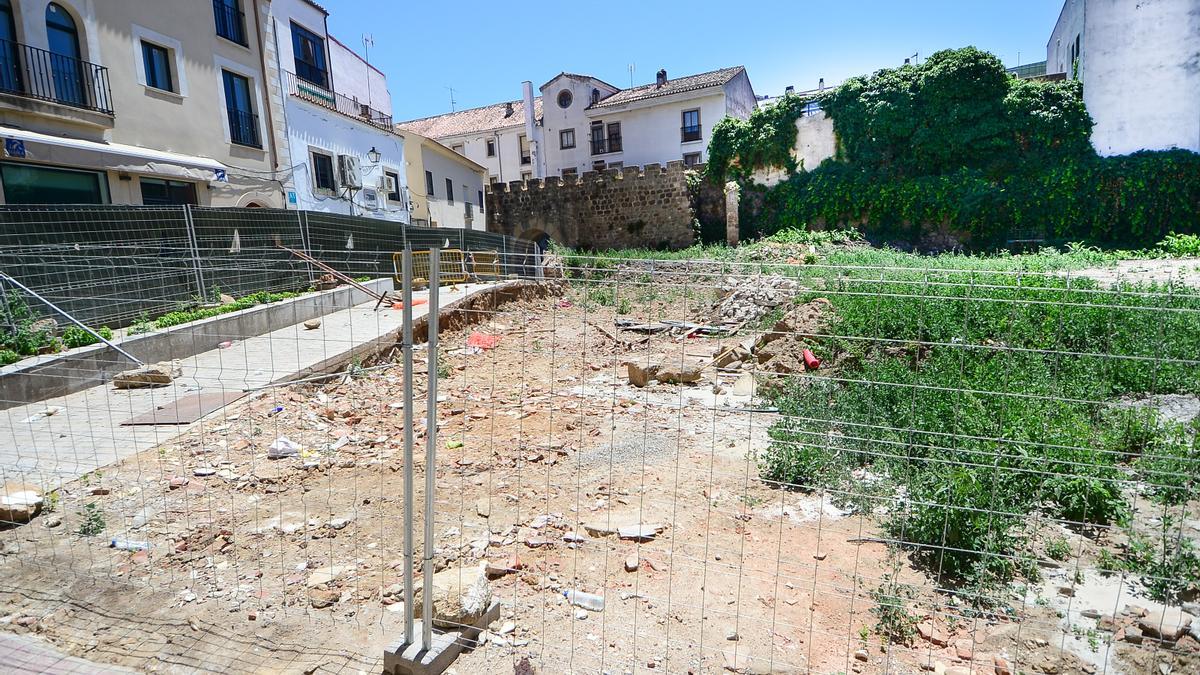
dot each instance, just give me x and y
(374, 155)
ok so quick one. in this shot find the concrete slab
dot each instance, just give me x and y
(27, 654)
(447, 645)
(83, 433)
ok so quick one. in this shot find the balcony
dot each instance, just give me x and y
(690, 133)
(304, 88)
(603, 146)
(231, 22)
(38, 74)
(243, 128)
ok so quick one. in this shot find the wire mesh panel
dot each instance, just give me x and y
(682, 465)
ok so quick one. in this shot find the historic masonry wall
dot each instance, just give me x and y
(617, 208)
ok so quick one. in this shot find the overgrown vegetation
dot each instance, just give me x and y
(21, 332)
(245, 302)
(955, 149)
(986, 396)
(74, 336)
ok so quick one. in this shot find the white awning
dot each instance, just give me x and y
(80, 153)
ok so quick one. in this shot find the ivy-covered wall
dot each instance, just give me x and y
(956, 150)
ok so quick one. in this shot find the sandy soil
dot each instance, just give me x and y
(292, 565)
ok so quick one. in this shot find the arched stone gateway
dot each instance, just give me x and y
(537, 236)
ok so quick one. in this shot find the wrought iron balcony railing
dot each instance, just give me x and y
(39, 74)
(304, 88)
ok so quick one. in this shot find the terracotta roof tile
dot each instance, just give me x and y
(486, 118)
(713, 78)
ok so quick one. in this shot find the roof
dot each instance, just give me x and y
(577, 76)
(714, 78)
(462, 122)
(425, 141)
(323, 10)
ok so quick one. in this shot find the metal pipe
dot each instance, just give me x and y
(406, 347)
(72, 319)
(430, 448)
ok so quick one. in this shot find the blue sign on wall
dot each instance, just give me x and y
(291, 196)
(220, 176)
(14, 147)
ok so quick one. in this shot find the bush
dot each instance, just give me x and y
(74, 336)
(8, 357)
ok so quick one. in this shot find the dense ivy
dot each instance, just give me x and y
(957, 146)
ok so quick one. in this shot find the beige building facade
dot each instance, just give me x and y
(445, 188)
(116, 102)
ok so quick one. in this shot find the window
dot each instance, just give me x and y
(323, 176)
(449, 191)
(458, 148)
(691, 125)
(158, 192)
(565, 98)
(599, 146)
(494, 179)
(616, 165)
(570, 172)
(429, 185)
(491, 147)
(595, 96)
(65, 65)
(614, 137)
(691, 159)
(309, 51)
(157, 61)
(10, 64)
(526, 157)
(393, 185)
(526, 175)
(28, 184)
(231, 22)
(467, 210)
(481, 199)
(566, 139)
(243, 123)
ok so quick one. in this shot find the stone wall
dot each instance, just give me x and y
(648, 207)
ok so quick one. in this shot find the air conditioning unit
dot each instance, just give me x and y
(370, 197)
(387, 185)
(349, 171)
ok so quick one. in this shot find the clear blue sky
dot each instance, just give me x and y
(486, 49)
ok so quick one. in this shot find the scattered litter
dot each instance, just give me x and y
(129, 545)
(225, 345)
(588, 601)
(483, 340)
(416, 303)
(204, 471)
(49, 411)
(810, 360)
(283, 447)
(453, 445)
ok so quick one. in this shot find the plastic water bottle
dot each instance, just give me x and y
(588, 601)
(129, 545)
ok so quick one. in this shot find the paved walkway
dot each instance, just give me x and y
(84, 433)
(27, 654)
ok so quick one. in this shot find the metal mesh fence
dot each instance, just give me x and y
(667, 465)
(114, 265)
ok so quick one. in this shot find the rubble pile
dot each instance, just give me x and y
(748, 300)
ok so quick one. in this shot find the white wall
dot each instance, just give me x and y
(651, 131)
(508, 153)
(353, 78)
(467, 187)
(555, 119)
(739, 97)
(1062, 39)
(1140, 65)
(311, 126)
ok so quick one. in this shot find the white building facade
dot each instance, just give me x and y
(581, 123)
(1140, 67)
(345, 155)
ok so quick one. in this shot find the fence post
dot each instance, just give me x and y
(537, 263)
(194, 246)
(407, 348)
(305, 241)
(431, 344)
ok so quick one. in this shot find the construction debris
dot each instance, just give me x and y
(152, 375)
(745, 300)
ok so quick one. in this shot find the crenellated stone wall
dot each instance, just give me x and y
(650, 207)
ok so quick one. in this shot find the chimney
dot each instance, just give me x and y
(661, 79)
(508, 109)
(789, 90)
(821, 84)
(535, 150)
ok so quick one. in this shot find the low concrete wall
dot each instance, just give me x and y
(46, 377)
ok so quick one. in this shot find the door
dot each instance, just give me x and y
(65, 57)
(10, 64)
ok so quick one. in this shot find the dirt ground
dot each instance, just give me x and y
(294, 564)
